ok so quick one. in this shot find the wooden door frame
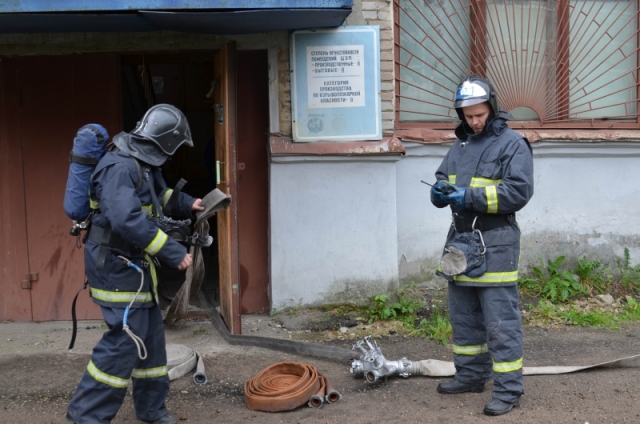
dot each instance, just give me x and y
(225, 94)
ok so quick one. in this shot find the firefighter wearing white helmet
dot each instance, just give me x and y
(485, 178)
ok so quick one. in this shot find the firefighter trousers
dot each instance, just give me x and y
(115, 360)
(487, 337)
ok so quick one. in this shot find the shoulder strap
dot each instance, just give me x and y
(173, 199)
(139, 168)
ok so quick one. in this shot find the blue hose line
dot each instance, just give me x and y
(124, 319)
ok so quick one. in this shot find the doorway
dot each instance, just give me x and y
(185, 82)
(188, 82)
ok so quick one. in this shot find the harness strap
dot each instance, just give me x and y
(173, 199)
(73, 316)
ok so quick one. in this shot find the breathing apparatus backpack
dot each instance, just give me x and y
(89, 146)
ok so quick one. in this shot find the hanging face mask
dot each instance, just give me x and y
(465, 255)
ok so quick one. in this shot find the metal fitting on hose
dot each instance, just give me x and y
(372, 364)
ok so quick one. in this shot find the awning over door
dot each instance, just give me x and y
(204, 16)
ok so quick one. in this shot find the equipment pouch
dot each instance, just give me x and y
(465, 255)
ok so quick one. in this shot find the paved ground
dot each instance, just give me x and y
(38, 376)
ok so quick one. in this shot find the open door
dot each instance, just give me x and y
(225, 142)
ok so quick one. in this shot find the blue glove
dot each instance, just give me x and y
(456, 199)
(438, 197)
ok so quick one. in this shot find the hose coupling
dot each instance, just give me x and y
(373, 366)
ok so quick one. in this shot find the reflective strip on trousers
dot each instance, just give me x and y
(470, 350)
(452, 179)
(110, 380)
(120, 297)
(490, 277)
(503, 367)
(149, 372)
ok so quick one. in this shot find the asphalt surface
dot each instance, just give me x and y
(39, 375)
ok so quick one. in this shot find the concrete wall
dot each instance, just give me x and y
(585, 204)
(333, 229)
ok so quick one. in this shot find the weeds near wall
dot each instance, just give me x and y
(403, 310)
(629, 275)
(437, 327)
(550, 314)
(552, 283)
(593, 276)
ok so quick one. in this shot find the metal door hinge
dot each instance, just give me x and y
(31, 277)
(219, 109)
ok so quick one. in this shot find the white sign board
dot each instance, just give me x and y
(335, 84)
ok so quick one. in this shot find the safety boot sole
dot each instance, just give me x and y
(494, 412)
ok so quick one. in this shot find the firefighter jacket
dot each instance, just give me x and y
(496, 167)
(123, 204)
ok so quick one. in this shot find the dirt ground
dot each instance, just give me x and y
(39, 375)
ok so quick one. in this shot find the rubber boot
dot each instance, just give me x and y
(499, 407)
(167, 419)
(453, 387)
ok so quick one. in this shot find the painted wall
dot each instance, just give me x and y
(585, 204)
(333, 229)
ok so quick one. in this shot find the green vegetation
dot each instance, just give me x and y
(594, 277)
(548, 313)
(201, 330)
(629, 275)
(553, 284)
(564, 299)
(403, 310)
(436, 327)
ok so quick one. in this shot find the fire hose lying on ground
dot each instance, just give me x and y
(286, 386)
(372, 365)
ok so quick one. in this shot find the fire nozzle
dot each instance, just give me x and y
(372, 364)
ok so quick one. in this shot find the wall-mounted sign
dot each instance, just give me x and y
(335, 84)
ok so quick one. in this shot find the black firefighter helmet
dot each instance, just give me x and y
(472, 91)
(166, 126)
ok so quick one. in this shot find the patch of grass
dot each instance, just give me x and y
(593, 276)
(404, 309)
(200, 330)
(436, 327)
(548, 313)
(552, 283)
(629, 275)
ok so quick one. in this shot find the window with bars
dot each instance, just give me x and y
(553, 63)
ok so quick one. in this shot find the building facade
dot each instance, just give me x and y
(317, 222)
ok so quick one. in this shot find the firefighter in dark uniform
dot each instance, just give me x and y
(120, 255)
(486, 177)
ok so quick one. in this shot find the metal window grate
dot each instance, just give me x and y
(562, 63)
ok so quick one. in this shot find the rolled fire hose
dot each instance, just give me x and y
(373, 366)
(286, 386)
(181, 359)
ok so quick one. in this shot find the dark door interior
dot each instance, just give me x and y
(185, 82)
